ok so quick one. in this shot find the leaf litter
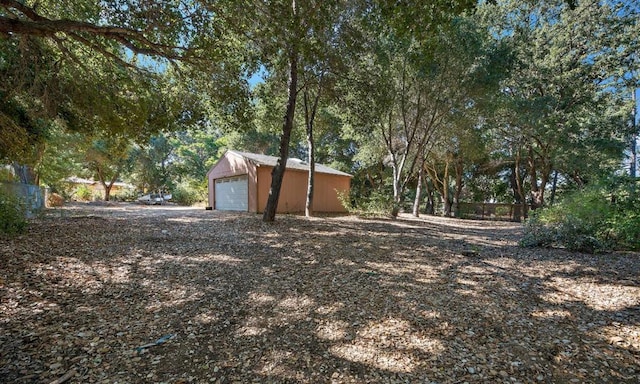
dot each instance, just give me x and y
(88, 292)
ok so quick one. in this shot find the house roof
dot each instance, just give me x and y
(291, 163)
(79, 180)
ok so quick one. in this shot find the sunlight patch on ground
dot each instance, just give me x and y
(260, 298)
(252, 327)
(206, 317)
(207, 258)
(329, 309)
(600, 297)
(370, 355)
(551, 314)
(187, 220)
(388, 345)
(472, 283)
(345, 262)
(333, 330)
(612, 334)
(170, 296)
(295, 308)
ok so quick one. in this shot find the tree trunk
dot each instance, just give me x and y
(519, 188)
(554, 186)
(416, 201)
(459, 167)
(429, 206)
(395, 209)
(26, 174)
(308, 209)
(537, 188)
(278, 171)
(107, 186)
(634, 138)
(445, 191)
(107, 192)
(309, 117)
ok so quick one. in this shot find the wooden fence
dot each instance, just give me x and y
(490, 211)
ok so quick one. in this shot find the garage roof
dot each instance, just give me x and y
(291, 163)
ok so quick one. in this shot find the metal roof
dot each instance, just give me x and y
(291, 163)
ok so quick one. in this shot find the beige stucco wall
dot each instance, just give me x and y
(293, 194)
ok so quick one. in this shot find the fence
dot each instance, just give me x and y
(32, 195)
(490, 211)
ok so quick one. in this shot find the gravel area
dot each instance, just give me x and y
(123, 293)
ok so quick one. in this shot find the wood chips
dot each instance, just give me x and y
(133, 294)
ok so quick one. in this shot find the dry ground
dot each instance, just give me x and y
(341, 300)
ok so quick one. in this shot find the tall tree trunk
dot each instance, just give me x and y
(445, 191)
(554, 186)
(537, 195)
(396, 191)
(277, 174)
(538, 188)
(309, 118)
(308, 208)
(634, 138)
(429, 205)
(459, 168)
(519, 187)
(418, 199)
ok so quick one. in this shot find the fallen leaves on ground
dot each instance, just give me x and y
(89, 290)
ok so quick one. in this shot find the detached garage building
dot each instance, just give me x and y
(240, 181)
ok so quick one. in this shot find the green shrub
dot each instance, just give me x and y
(83, 193)
(125, 195)
(600, 217)
(12, 213)
(377, 204)
(188, 195)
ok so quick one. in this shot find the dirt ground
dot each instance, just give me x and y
(322, 300)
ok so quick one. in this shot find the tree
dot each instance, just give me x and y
(107, 158)
(168, 29)
(564, 98)
(66, 63)
(153, 164)
(408, 90)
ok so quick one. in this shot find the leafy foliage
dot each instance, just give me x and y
(83, 193)
(601, 217)
(12, 213)
(188, 194)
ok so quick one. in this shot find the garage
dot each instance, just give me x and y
(241, 181)
(232, 194)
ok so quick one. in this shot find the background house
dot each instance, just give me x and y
(95, 187)
(240, 181)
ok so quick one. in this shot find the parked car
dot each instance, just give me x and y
(154, 199)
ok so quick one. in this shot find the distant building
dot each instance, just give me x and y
(240, 181)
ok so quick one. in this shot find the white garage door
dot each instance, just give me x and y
(232, 194)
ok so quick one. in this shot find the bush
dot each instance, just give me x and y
(377, 204)
(187, 195)
(83, 193)
(12, 213)
(125, 195)
(600, 217)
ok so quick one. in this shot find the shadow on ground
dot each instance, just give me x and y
(308, 300)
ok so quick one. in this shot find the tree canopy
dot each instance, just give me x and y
(433, 103)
